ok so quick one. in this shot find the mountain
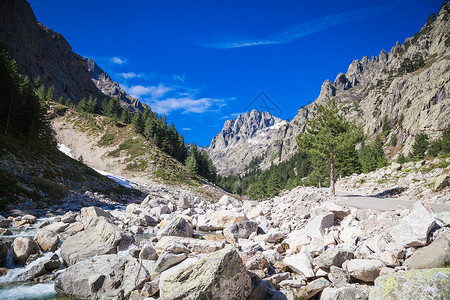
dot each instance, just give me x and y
(406, 91)
(111, 88)
(242, 139)
(40, 51)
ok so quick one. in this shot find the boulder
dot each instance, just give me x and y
(255, 212)
(316, 227)
(148, 252)
(313, 288)
(415, 284)
(47, 240)
(102, 277)
(99, 237)
(194, 245)
(363, 269)
(4, 247)
(441, 182)
(33, 272)
(29, 218)
(435, 255)
(226, 200)
(176, 248)
(56, 227)
(4, 222)
(338, 276)
(349, 234)
(88, 213)
(274, 236)
(338, 211)
(344, 293)
(414, 229)
(53, 263)
(333, 257)
(443, 218)
(241, 230)
(178, 226)
(23, 247)
(5, 231)
(300, 263)
(167, 260)
(219, 275)
(225, 218)
(69, 217)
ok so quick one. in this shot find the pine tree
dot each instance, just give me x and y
(191, 164)
(126, 116)
(51, 93)
(113, 108)
(37, 81)
(82, 105)
(420, 147)
(138, 123)
(328, 133)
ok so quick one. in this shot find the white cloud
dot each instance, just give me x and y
(302, 29)
(155, 92)
(232, 116)
(129, 75)
(117, 60)
(186, 129)
(186, 105)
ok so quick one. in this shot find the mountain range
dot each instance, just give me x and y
(399, 94)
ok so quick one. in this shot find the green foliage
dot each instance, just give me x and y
(385, 127)
(420, 147)
(52, 189)
(23, 113)
(410, 65)
(126, 116)
(274, 155)
(198, 162)
(138, 123)
(191, 164)
(394, 140)
(106, 140)
(401, 159)
(329, 134)
(372, 157)
(51, 93)
(112, 108)
(400, 120)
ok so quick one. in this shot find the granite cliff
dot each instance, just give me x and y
(407, 88)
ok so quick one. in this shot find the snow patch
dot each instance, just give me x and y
(64, 149)
(120, 180)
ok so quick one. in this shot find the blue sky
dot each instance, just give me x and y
(202, 62)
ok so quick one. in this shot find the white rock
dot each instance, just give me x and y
(300, 263)
(316, 227)
(224, 218)
(349, 234)
(414, 229)
(363, 269)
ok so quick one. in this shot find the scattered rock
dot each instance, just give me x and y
(35, 271)
(148, 252)
(300, 263)
(338, 276)
(47, 240)
(4, 222)
(178, 226)
(316, 227)
(241, 230)
(88, 213)
(100, 237)
(313, 288)
(333, 257)
(56, 227)
(23, 247)
(442, 182)
(414, 229)
(225, 218)
(435, 255)
(344, 293)
(167, 260)
(416, 284)
(363, 269)
(218, 275)
(53, 263)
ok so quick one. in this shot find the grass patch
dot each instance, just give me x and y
(274, 155)
(106, 140)
(52, 189)
(114, 153)
(137, 167)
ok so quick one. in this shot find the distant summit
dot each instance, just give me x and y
(241, 139)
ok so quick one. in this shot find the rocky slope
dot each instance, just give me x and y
(40, 51)
(111, 88)
(300, 245)
(395, 87)
(242, 139)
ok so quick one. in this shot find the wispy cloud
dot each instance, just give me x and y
(118, 60)
(186, 105)
(232, 116)
(130, 75)
(301, 30)
(155, 92)
(186, 129)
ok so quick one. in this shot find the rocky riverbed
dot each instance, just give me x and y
(300, 245)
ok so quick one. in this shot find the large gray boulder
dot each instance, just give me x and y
(241, 230)
(220, 275)
(442, 181)
(23, 247)
(178, 226)
(333, 257)
(414, 229)
(300, 263)
(313, 288)
(416, 284)
(224, 218)
(99, 237)
(344, 293)
(47, 240)
(102, 277)
(88, 213)
(316, 227)
(435, 255)
(363, 269)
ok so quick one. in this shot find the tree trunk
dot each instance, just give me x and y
(320, 184)
(332, 190)
(340, 173)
